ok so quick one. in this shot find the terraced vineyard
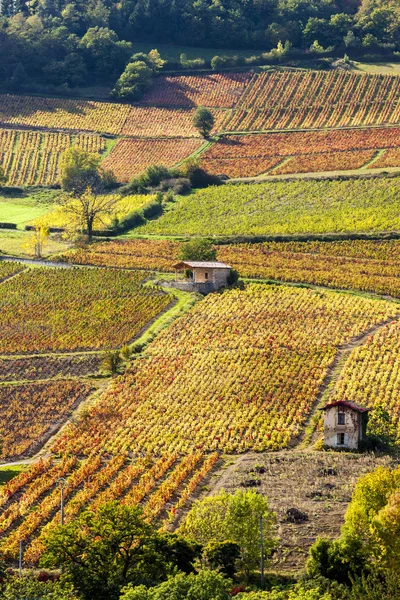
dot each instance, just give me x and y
(132, 156)
(311, 99)
(62, 113)
(299, 152)
(28, 413)
(33, 157)
(370, 375)
(7, 269)
(370, 266)
(219, 90)
(155, 121)
(79, 309)
(215, 381)
(276, 208)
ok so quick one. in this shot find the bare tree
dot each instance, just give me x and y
(88, 208)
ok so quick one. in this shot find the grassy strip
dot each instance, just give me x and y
(185, 301)
(8, 473)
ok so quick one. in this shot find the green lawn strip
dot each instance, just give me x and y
(173, 53)
(378, 154)
(12, 243)
(8, 473)
(19, 212)
(110, 145)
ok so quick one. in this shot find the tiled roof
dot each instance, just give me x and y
(198, 263)
(348, 404)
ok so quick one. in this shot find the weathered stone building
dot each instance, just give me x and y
(345, 424)
(203, 277)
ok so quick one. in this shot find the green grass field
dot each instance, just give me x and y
(13, 242)
(282, 208)
(22, 208)
(173, 53)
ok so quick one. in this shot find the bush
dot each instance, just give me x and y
(179, 185)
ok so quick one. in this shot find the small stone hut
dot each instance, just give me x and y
(204, 277)
(345, 424)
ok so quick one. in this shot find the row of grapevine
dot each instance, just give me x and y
(132, 156)
(313, 151)
(239, 372)
(284, 207)
(33, 157)
(310, 99)
(356, 264)
(22, 425)
(371, 374)
(47, 309)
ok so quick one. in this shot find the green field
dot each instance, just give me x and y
(13, 243)
(295, 207)
(172, 53)
(21, 209)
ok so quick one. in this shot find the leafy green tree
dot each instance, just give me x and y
(370, 535)
(106, 53)
(203, 121)
(87, 209)
(380, 425)
(222, 556)
(199, 249)
(234, 517)
(156, 61)
(377, 585)
(112, 362)
(206, 585)
(337, 560)
(80, 170)
(371, 495)
(134, 81)
(102, 551)
(71, 71)
(29, 588)
(19, 78)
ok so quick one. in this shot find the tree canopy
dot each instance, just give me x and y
(76, 42)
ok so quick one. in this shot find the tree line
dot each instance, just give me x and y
(115, 553)
(67, 43)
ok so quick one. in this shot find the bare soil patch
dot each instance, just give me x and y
(309, 491)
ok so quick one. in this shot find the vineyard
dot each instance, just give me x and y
(60, 113)
(132, 156)
(76, 309)
(7, 269)
(370, 375)
(311, 99)
(358, 265)
(33, 157)
(29, 412)
(240, 371)
(153, 121)
(219, 90)
(156, 255)
(370, 266)
(346, 149)
(35, 368)
(292, 207)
